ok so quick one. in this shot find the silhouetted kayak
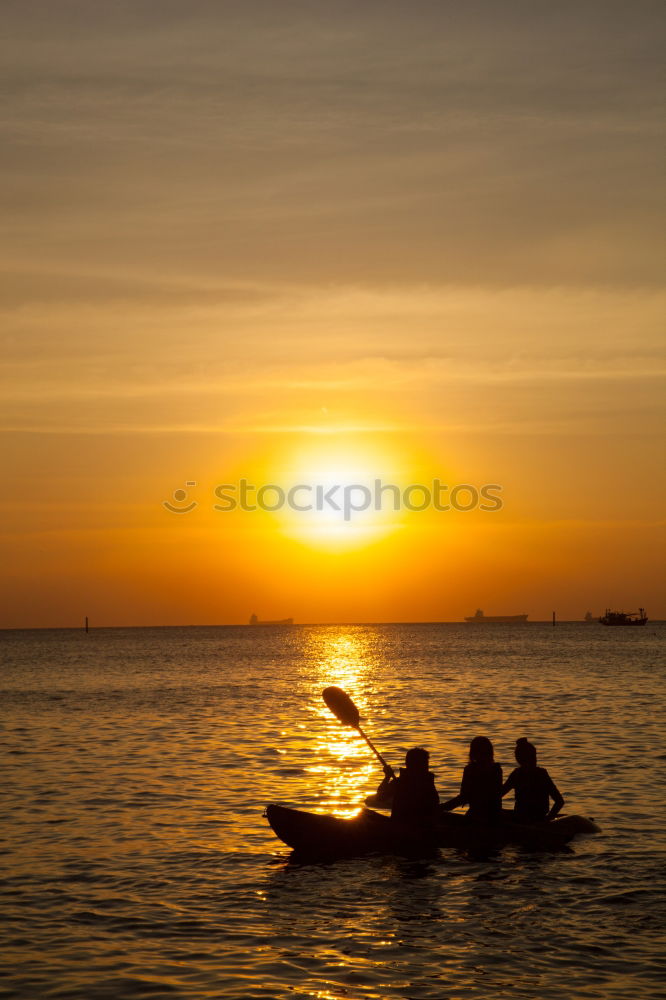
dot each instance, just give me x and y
(317, 835)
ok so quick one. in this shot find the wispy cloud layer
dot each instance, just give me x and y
(486, 143)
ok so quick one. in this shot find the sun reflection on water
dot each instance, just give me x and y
(345, 763)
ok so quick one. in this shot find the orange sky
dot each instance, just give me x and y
(315, 243)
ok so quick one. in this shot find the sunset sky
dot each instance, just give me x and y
(315, 242)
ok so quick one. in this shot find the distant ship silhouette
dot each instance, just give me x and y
(480, 618)
(278, 621)
(624, 618)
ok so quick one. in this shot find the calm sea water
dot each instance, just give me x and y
(135, 861)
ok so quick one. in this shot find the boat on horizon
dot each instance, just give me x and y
(278, 621)
(624, 618)
(481, 619)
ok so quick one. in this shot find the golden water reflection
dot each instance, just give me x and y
(345, 763)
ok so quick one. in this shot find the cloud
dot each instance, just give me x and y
(485, 143)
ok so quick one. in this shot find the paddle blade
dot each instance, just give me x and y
(341, 705)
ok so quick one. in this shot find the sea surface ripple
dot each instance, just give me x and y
(135, 860)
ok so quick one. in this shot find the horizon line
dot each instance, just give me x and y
(304, 624)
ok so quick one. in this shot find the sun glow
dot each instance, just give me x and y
(338, 483)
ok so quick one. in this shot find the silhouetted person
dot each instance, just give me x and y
(481, 785)
(413, 796)
(533, 787)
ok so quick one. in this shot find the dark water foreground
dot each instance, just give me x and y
(136, 764)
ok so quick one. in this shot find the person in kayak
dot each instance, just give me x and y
(533, 787)
(481, 785)
(412, 794)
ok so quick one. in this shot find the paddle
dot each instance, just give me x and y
(346, 711)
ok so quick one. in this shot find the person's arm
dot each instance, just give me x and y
(433, 799)
(555, 795)
(452, 804)
(460, 800)
(387, 786)
(509, 783)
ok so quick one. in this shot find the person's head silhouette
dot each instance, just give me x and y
(481, 751)
(525, 753)
(417, 759)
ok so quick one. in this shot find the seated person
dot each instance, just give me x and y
(481, 785)
(412, 794)
(533, 787)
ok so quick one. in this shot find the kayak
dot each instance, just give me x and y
(456, 830)
(317, 835)
(324, 836)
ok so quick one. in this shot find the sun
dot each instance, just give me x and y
(340, 495)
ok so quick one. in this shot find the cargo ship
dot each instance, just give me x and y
(624, 618)
(278, 621)
(480, 619)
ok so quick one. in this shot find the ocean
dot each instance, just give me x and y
(135, 860)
